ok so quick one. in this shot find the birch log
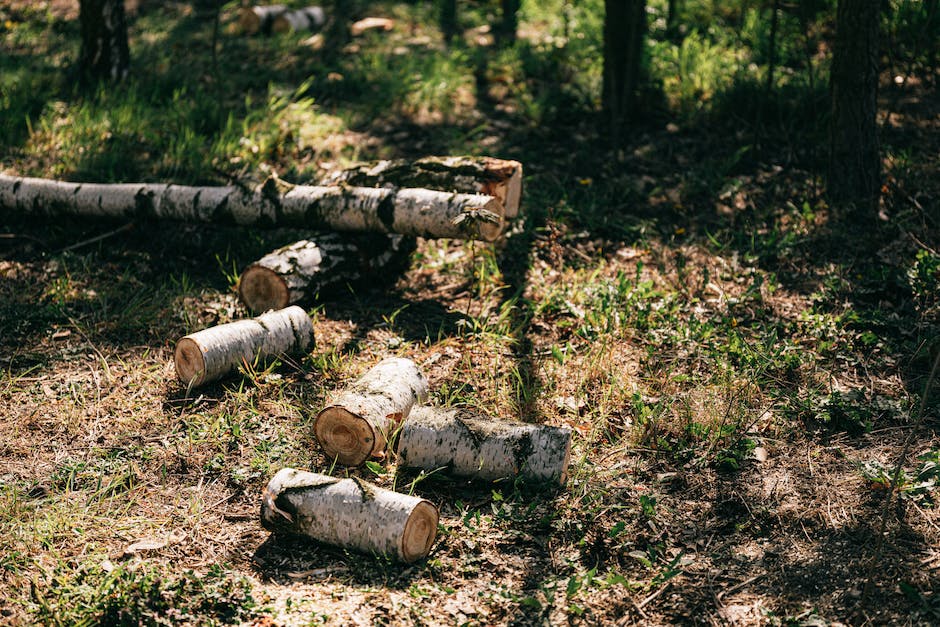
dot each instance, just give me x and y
(364, 417)
(500, 178)
(468, 445)
(259, 19)
(349, 513)
(420, 212)
(300, 270)
(308, 19)
(212, 353)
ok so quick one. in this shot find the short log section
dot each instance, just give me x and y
(349, 513)
(212, 353)
(259, 19)
(465, 444)
(364, 417)
(420, 212)
(300, 270)
(299, 20)
(500, 178)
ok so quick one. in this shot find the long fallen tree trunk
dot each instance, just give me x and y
(300, 270)
(500, 178)
(349, 513)
(212, 353)
(308, 19)
(420, 212)
(259, 19)
(364, 417)
(465, 444)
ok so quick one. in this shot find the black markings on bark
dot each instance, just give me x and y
(143, 204)
(522, 450)
(386, 211)
(367, 492)
(16, 186)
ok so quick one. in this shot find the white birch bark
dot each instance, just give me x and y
(212, 353)
(298, 271)
(364, 417)
(419, 212)
(500, 178)
(465, 444)
(349, 513)
(307, 19)
(257, 19)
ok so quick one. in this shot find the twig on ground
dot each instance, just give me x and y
(96, 239)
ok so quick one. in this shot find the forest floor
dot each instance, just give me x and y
(742, 368)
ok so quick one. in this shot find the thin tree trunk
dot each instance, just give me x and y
(105, 54)
(212, 353)
(449, 27)
(854, 162)
(509, 22)
(420, 212)
(364, 417)
(349, 513)
(468, 445)
(500, 178)
(300, 270)
(624, 37)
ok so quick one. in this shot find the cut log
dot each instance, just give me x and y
(420, 212)
(465, 444)
(349, 513)
(300, 270)
(308, 19)
(259, 19)
(364, 417)
(500, 178)
(371, 23)
(212, 353)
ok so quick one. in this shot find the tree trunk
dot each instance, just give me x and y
(500, 178)
(509, 22)
(349, 513)
(259, 19)
(308, 19)
(854, 163)
(105, 54)
(299, 271)
(420, 212)
(624, 37)
(212, 353)
(468, 445)
(449, 27)
(363, 419)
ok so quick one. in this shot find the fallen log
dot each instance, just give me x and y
(349, 513)
(364, 417)
(500, 178)
(259, 19)
(465, 444)
(308, 19)
(300, 270)
(371, 23)
(420, 212)
(212, 353)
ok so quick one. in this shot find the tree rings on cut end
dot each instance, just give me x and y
(420, 532)
(262, 289)
(344, 436)
(190, 362)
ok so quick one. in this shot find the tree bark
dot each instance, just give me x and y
(308, 19)
(449, 24)
(509, 22)
(259, 19)
(854, 162)
(105, 54)
(420, 212)
(300, 270)
(363, 418)
(212, 353)
(466, 444)
(500, 178)
(624, 37)
(349, 513)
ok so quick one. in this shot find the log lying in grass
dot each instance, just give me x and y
(468, 445)
(300, 270)
(212, 353)
(259, 19)
(500, 178)
(371, 23)
(349, 513)
(420, 212)
(364, 417)
(308, 19)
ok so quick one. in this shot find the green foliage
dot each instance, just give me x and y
(924, 278)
